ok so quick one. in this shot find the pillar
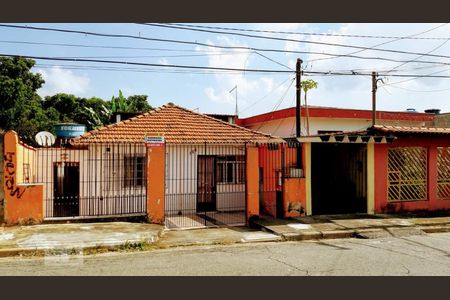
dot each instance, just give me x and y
(252, 182)
(371, 178)
(307, 151)
(156, 164)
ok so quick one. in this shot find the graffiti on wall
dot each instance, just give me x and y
(10, 170)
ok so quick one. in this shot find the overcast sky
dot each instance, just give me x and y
(257, 93)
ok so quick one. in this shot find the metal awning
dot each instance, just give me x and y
(347, 138)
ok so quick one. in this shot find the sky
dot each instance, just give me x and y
(209, 91)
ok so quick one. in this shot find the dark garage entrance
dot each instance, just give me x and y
(338, 178)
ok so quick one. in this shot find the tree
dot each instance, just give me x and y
(307, 85)
(92, 112)
(133, 104)
(20, 105)
(138, 104)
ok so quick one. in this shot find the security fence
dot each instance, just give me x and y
(205, 185)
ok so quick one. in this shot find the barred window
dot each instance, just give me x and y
(443, 169)
(133, 175)
(407, 174)
(230, 169)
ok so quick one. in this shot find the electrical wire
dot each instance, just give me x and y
(303, 41)
(308, 33)
(236, 47)
(145, 64)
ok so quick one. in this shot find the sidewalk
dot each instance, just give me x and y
(346, 226)
(85, 238)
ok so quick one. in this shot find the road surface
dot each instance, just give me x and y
(413, 255)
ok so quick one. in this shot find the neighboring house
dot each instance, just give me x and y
(382, 169)
(328, 119)
(194, 170)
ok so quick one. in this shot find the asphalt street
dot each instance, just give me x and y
(411, 255)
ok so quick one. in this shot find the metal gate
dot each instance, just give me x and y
(277, 162)
(205, 185)
(97, 180)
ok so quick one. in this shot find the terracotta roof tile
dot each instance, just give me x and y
(416, 130)
(178, 126)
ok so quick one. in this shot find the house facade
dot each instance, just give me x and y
(171, 165)
(330, 119)
(399, 165)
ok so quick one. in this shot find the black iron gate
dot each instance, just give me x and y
(205, 185)
(96, 180)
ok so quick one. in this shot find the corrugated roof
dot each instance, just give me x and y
(178, 126)
(415, 130)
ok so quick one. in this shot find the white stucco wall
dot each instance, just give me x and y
(101, 179)
(181, 179)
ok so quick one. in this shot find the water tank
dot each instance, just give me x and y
(433, 111)
(69, 130)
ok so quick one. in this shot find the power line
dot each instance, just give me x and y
(388, 42)
(235, 47)
(139, 70)
(145, 64)
(420, 91)
(309, 33)
(103, 46)
(329, 73)
(299, 41)
(265, 96)
(407, 62)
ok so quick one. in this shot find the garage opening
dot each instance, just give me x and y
(338, 178)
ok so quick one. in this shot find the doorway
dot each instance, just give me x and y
(206, 183)
(338, 178)
(66, 189)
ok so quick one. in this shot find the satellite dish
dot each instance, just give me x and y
(45, 139)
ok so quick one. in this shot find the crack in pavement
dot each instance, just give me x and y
(408, 271)
(283, 262)
(289, 265)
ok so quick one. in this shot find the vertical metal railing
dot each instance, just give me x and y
(95, 180)
(205, 185)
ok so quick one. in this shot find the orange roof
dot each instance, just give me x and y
(178, 126)
(417, 130)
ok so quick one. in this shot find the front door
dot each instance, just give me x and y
(206, 183)
(66, 189)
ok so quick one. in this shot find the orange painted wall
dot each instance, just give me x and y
(156, 184)
(294, 197)
(23, 203)
(381, 182)
(252, 182)
(270, 161)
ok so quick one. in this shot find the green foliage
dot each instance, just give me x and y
(308, 84)
(138, 104)
(20, 105)
(23, 110)
(132, 104)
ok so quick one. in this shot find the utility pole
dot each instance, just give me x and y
(236, 110)
(374, 97)
(298, 111)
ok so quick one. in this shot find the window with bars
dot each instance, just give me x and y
(443, 170)
(407, 174)
(133, 167)
(230, 169)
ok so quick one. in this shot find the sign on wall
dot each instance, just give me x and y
(154, 141)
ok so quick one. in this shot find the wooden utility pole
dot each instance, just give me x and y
(374, 97)
(298, 111)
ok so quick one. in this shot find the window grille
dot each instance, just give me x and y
(443, 169)
(407, 174)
